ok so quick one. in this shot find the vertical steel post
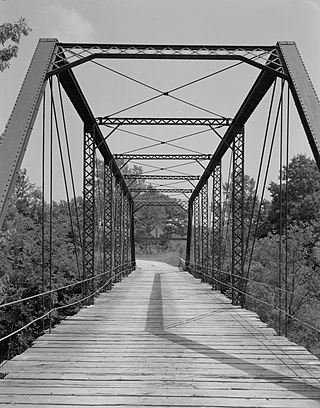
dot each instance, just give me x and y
(125, 236)
(132, 246)
(204, 233)
(189, 236)
(237, 282)
(216, 228)
(108, 245)
(118, 232)
(88, 209)
(196, 237)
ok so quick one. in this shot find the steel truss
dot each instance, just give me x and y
(154, 177)
(108, 223)
(263, 57)
(196, 237)
(204, 233)
(54, 58)
(118, 230)
(161, 190)
(141, 203)
(163, 156)
(125, 234)
(237, 281)
(107, 121)
(189, 237)
(89, 210)
(216, 228)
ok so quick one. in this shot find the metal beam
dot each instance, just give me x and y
(237, 279)
(154, 177)
(163, 156)
(303, 93)
(77, 98)
(257, 92)
(17, 133)
(141, 203)
(108, 121)
(169, 190)
(257, 56)
(89, 212)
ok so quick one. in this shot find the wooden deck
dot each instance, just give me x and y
(162, 339)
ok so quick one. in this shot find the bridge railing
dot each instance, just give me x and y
(39, 312)
(298, 319)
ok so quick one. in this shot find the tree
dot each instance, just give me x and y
(12, 33)
(303, 193)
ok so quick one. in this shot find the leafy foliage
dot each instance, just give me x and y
(12, 33)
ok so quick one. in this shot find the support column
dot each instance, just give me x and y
(216, 228)
(125, 234)
(204, 233)
(189, 236)
(108, 244)
(118, 232)
(237, 282)
(196, 237)
(132, 243)
(88, 210)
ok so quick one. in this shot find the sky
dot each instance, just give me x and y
(204, 22)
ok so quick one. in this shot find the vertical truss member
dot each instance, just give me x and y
(125, 236)
(118, 233)
(132, 246)
(196, 237)
(237, 281)
(88, 210)
(216, 228)
(189, 237)
(108, 245)
(204, 233)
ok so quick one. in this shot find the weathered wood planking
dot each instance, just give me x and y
(161, 338)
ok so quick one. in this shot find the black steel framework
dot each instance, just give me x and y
(216, 232)
(115, 121)
(53, 58)
(118, 230)
(204, 233)
(162, 190)
(89, 209)
(196, 237)
(163, 156)
(108, 244)
(71, 55)
(237, 281)
(125, 234)
(155, 177)
(158, 203)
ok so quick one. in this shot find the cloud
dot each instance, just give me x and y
(69, 25)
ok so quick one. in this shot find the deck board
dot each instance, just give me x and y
(161, 338)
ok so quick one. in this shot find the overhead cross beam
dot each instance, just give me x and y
(155, 177)
(74, 54)
(160, 203)
(162, 190)
(162, 156)
(111, 121)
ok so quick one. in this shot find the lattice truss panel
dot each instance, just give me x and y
(75, 54)
(205, 232)
(108, 221)
(237, 282)
(216, 232)
(118, 237)
(89, 209)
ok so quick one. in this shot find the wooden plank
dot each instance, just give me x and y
(161, 338)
